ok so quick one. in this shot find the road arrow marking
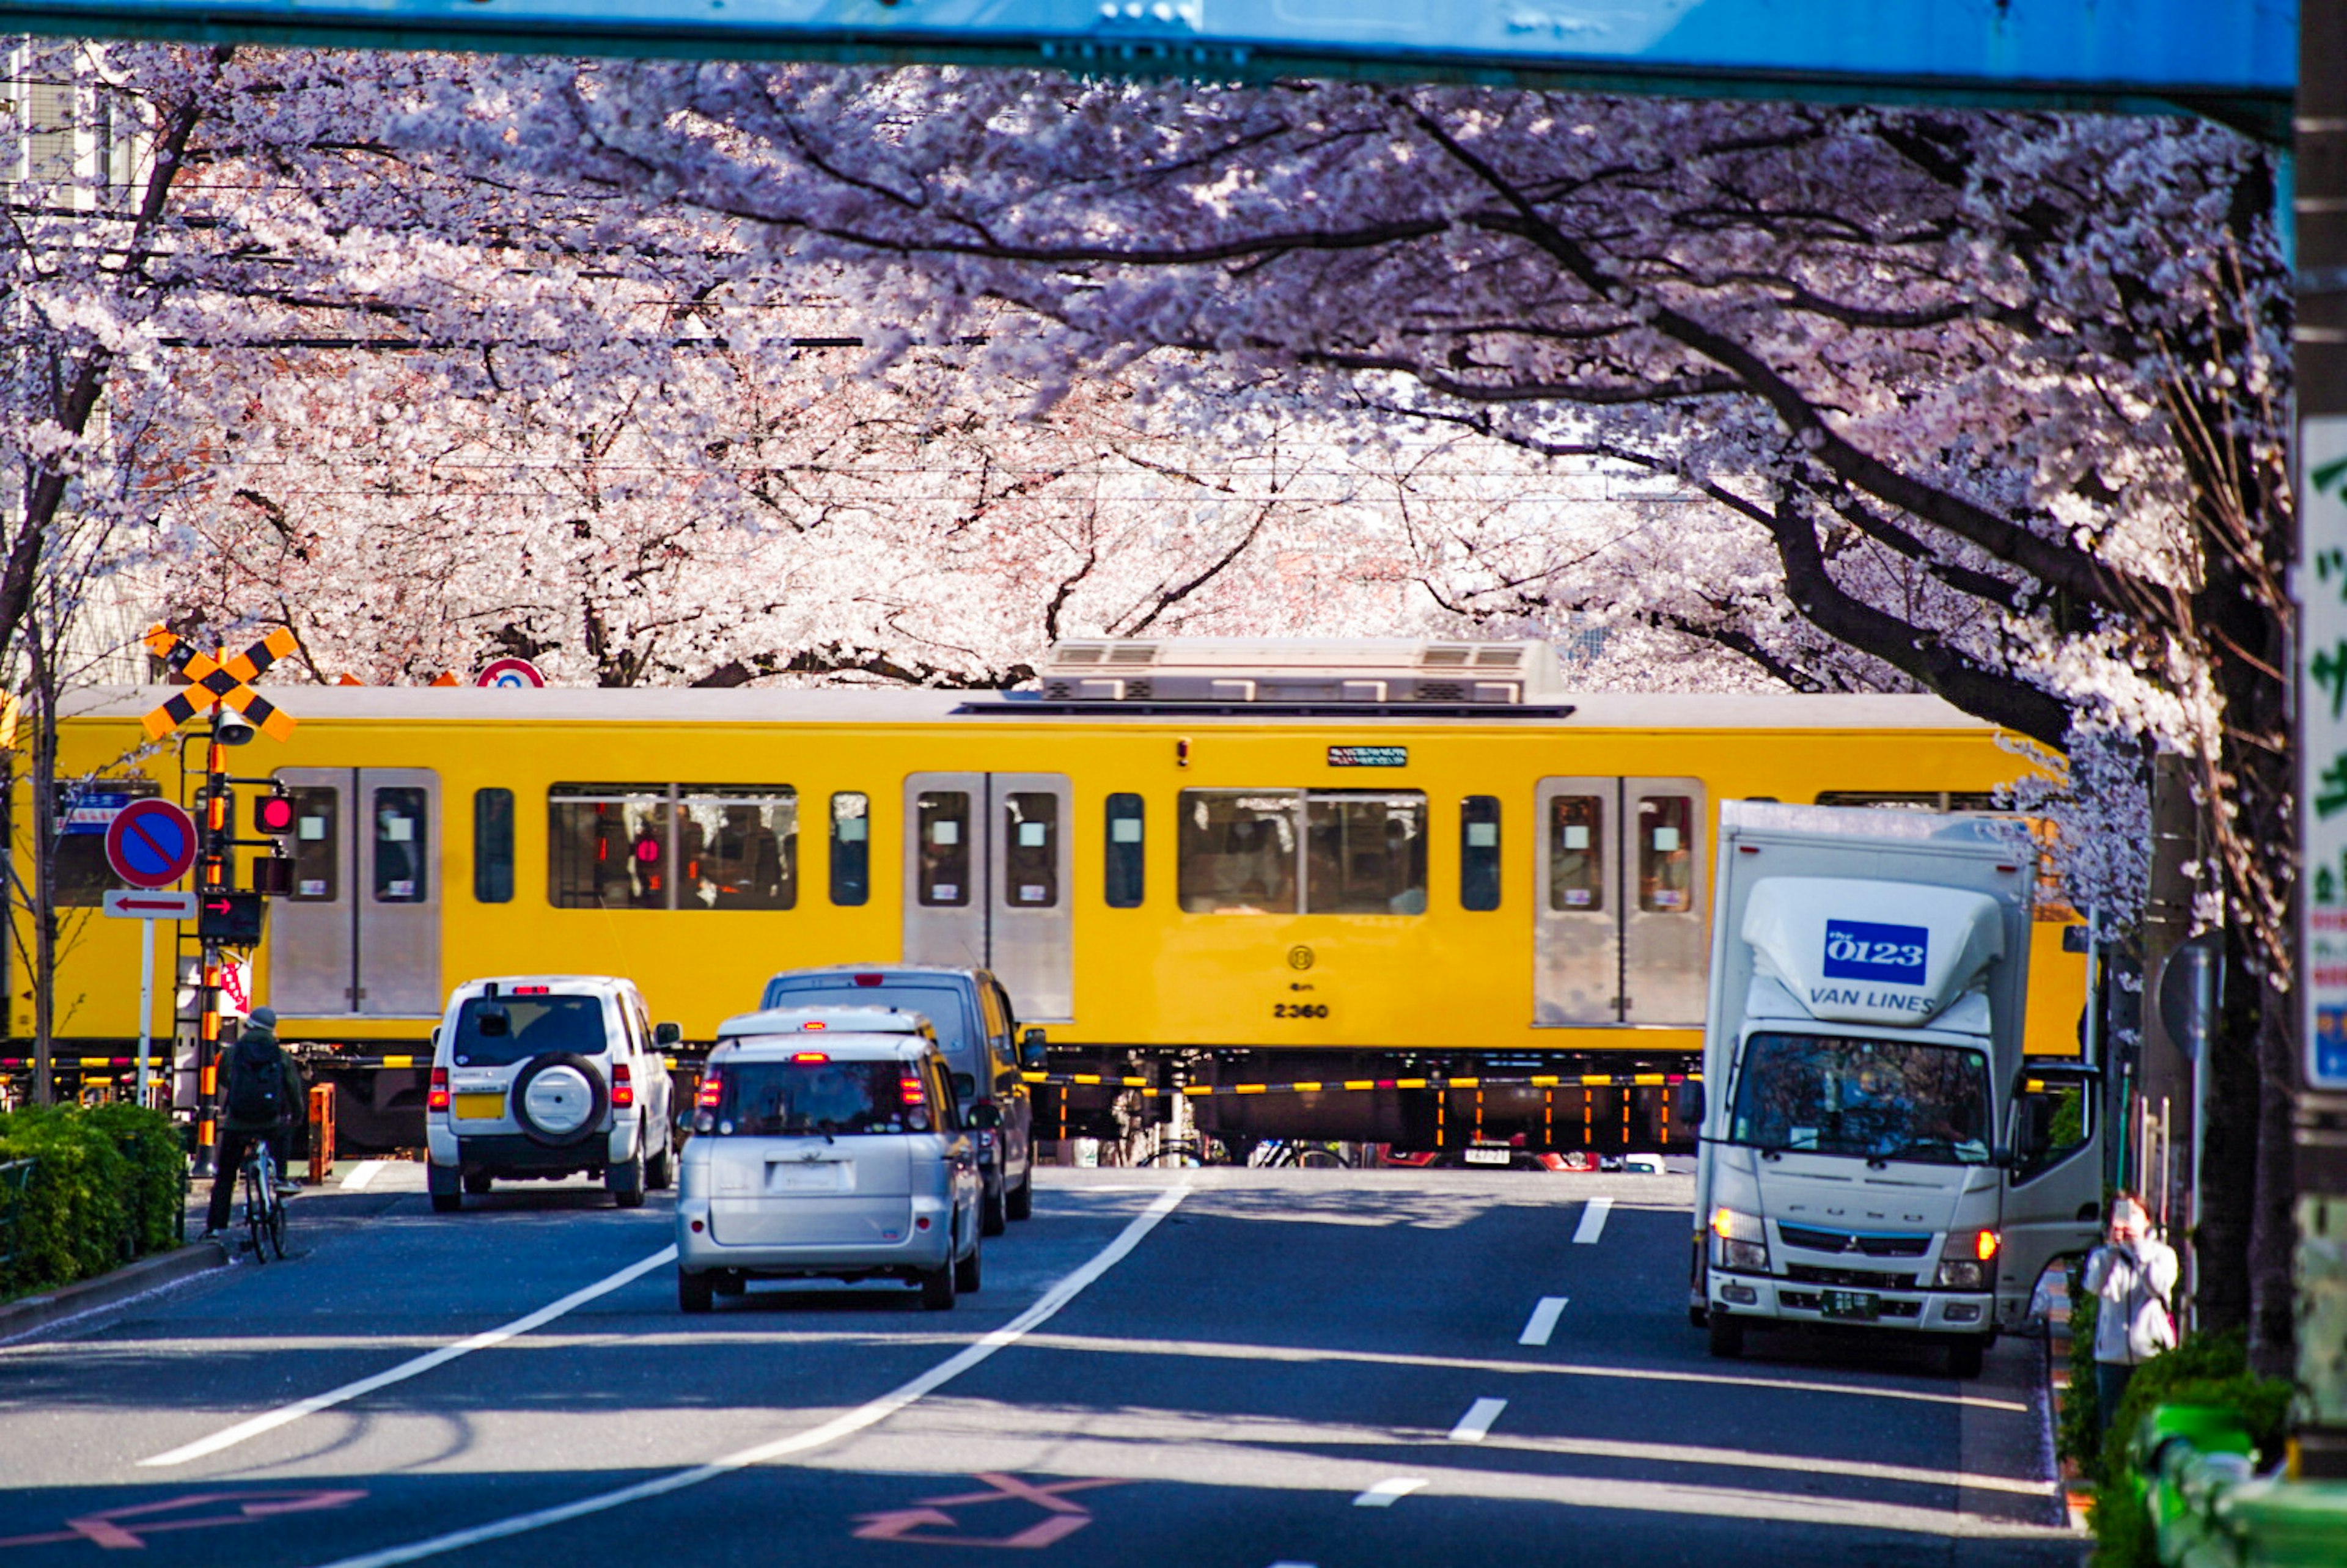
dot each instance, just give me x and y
(865, 1416)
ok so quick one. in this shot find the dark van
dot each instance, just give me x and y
(979, 1036)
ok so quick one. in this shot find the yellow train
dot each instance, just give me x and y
(1239, 863)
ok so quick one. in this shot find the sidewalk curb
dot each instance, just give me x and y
(31, 1312)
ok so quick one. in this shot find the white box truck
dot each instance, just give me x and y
(1876, 1150)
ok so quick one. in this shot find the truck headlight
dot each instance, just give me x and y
(1738, 1240)
(1968, 1260)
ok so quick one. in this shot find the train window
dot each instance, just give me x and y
(317, 844)
(1479, 852)
(1124, 849)
(493, 845)
(737, 847)
(1910, 800)
(1576, 852)
(1666, 855)
(1236, 850)
(1030, 850)
(402, 860)
(607, 846)
(80, 874)
(851, 848)
(942, 819)
(1364, 851)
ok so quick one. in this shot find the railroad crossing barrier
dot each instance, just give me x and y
(1325, 1086)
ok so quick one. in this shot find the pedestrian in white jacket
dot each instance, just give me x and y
(2133, 1277)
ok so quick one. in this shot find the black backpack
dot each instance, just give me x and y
(256, 1085)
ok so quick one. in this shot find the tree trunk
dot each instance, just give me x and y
(45, 862)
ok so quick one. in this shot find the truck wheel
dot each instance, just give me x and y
(694, 1292)
(1964, 1356)
(1726, 1336)
(1698, 1318)
(966, 1272)
(1020, 1203)
(660, 1171)
(991, 1221)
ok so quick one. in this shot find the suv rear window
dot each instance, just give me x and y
(494, 1031)
(943, 1004)
(780, 1099)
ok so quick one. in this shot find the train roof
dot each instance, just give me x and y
(641, 706)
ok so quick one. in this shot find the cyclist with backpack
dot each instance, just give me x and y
(264, 1095)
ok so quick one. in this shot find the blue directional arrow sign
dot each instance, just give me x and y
(150, 843)
(2235, 59)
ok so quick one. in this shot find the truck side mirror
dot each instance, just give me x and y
(985, 1116)
(965, 1086)
(1031, 1051)
(1690, 1107)
(666, 1033)
(436, 1037)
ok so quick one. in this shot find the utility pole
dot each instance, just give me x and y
(2319, 204)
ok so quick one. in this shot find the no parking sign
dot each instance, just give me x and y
(513, 674)
(151, 843)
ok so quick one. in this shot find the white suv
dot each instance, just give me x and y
(827, 1143)
(537, 1077)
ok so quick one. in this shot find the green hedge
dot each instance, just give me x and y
(107, 1185)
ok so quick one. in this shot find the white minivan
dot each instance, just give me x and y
(827, 1143)
(537, 1077)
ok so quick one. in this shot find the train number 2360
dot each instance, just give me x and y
(1299, 1009)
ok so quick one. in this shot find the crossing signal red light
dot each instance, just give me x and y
(273, 813)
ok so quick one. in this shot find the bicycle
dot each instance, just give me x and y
(264, 1206)
(1310, 1156)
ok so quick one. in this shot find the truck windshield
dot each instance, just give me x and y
(1876, 1098)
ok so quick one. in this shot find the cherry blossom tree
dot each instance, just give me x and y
(1999, 394)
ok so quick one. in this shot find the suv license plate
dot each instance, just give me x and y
(481, 1107)
(1488, 1156)
(1858, 1305)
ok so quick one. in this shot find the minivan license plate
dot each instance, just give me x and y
(1488, 1156)
(1858, 1305)
(807, 1176)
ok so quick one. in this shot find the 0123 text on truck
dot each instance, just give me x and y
(1876, 1150)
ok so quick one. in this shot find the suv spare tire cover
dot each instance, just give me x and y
(560, 1099)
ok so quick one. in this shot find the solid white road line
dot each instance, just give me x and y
(1476, 1424)
(365, 1172)
(1592, 1220)
(1382, 1495)
(285, 1414)
(1542, 1322)
(856, 1420)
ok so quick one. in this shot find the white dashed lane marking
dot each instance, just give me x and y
(1383, 1494)
(1476, 1424)
(1592, 1220)
(1542, 1322)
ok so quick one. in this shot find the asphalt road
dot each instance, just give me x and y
(1207, 1367)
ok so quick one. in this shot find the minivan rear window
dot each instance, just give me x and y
(494, 1031)
(809, 1099)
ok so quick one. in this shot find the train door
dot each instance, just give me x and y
(988, 883)
(1619, 934)
(360, 934)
